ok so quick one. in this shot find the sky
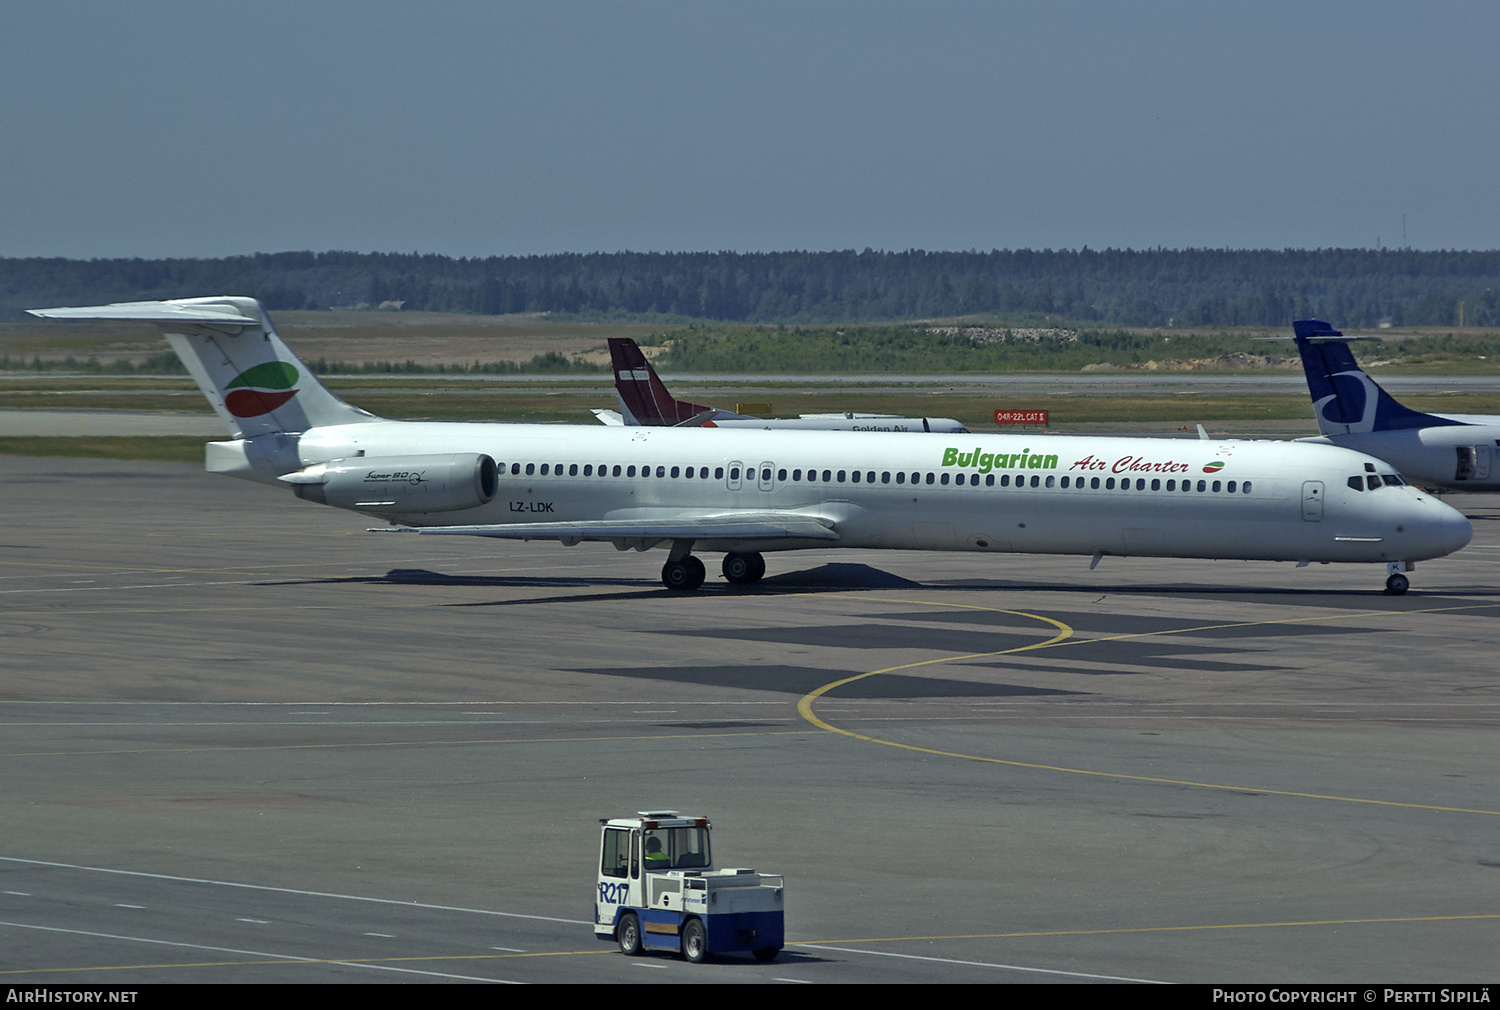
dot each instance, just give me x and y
(465, 128)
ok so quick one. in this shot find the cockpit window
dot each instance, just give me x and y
(1392, 479)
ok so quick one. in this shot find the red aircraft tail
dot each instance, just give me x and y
(643, 398)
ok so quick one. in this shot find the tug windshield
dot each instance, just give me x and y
(675, 849)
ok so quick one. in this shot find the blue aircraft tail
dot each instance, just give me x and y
(1346, 400)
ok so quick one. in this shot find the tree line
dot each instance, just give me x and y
(1114, 287)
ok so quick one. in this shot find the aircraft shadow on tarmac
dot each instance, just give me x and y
(800, 680)
(846, 577)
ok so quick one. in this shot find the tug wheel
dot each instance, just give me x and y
(629, 935)
(694, 941)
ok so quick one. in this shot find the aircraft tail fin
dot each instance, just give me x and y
(644, 400)
(1345, 399)
(255, 383)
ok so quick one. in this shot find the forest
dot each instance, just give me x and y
(1110, 287)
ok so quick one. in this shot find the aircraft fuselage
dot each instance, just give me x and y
(1003, 493)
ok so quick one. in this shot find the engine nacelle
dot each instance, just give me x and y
(400, 484)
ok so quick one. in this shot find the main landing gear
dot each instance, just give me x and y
(686, 573)
(743, 569)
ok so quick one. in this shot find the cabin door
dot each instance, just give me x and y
(1312, 501)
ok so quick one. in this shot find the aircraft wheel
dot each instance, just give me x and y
(1396, 585)
(766, 954)
(683, 576)
(629, 935)
(695, 941)
(743, 569)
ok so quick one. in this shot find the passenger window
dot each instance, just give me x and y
(588, 469)
(515, 468)
(855, 476)
(530, 469)
(841, 476)
(630, 470)
(674, 471)
(734, 474)
(901, 477)
(718, 473)
(989, 480)
(1171, 485)
(1094, 483)
(931, 478)
(943, 479)
(1109, 485)
(827, 476)
(1217, 485)
(1156, 484)
(1035, 481)
(885, 477)
(796, 475)
(617, 469)
(1229, 487)
(1050, 481)
(661, 471)
(1245, 488)
(1202, 486)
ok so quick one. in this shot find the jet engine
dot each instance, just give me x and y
(400, 484)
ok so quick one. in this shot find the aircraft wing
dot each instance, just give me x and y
(644, 533)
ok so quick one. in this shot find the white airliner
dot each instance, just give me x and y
(744, 492)
(645, 402)
(1455, 451)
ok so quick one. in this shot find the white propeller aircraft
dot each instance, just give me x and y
(1457, 451)
(744, 492)
(646, 403)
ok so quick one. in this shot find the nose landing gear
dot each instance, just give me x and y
(1397, 583)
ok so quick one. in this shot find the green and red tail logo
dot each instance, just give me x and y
(261, 389)
(1213, 467)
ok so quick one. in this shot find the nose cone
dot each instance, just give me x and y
(1440, 530)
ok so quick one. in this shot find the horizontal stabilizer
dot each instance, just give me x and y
(198, 311)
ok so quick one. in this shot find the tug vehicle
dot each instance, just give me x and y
(659, 890)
